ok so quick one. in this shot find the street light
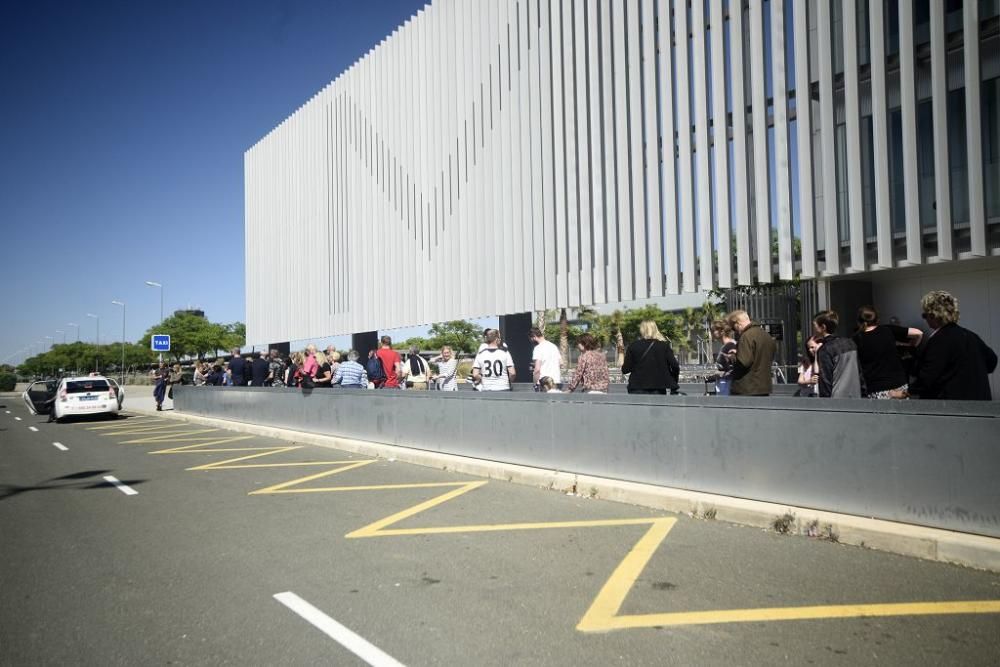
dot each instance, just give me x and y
(153, 283)
(74, 324)
(97, 355)
(122, 304)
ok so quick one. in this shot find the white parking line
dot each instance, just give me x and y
(354, 643)
(32, 428)
(8, 411)
(124, 488)
(17, 418)
(60, 446)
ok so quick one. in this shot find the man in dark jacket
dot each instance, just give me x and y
(259, 369)
(753, 357)
(953, 362)
(839, 365)
(238, 368)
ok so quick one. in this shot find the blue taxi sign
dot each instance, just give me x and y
(160, 343)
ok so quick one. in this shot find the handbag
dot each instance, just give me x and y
(307, 382)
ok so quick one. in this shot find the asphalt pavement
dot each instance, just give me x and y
(211, 547)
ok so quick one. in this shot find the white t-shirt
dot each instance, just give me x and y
(548, 354)
(492, 365)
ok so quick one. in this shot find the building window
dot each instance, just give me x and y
(896, 191)
(925, 164)
(991, 145)
(958, 161)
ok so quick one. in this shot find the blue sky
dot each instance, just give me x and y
(122, 132)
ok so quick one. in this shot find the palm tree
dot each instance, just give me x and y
(563, 339)
(617, 320)
(691, 321)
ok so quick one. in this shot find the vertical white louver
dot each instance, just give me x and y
(509, 156)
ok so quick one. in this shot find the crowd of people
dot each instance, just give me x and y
(889, 361)
(879, 361)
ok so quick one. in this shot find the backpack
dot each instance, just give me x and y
(375, 370)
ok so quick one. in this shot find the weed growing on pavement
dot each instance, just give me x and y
(783, 524)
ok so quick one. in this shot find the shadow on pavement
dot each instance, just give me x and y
(10, 490)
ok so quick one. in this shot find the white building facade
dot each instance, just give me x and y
(499, 157)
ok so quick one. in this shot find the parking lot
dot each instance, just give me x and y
(210, 546)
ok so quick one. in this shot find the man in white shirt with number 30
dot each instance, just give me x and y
(493, 368)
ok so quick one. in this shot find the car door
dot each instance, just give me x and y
(119, 391)
(37, 394)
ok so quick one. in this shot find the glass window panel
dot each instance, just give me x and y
(925, 163)
(958, 161)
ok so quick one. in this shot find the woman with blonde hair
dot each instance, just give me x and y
(954, 363)
(292, 370)
(324, 374)
(650, 363)
(447, 370)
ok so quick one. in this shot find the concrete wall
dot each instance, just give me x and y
(931, 463)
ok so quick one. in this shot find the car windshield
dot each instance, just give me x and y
(83, 386)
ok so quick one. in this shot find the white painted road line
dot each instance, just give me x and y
(124, 488)
(8, 411)
(354, 643)
(32, 428)
(17, 418)
(61, 447)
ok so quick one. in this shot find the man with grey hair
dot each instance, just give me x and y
(953, 363)
(752, 358)
(351, 374)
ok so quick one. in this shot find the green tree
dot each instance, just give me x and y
(667, 323)
(460, 335)
(234, 335)
(194, 336)
(420, 342)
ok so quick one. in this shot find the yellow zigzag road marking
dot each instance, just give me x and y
(186, 436)
(603, 614)
(197, 447)
(114, 428)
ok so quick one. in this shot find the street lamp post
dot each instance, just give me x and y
(153, 283)
(74, 324)
(97, 355)
(122, 304)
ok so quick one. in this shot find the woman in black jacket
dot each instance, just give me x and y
(650, 364)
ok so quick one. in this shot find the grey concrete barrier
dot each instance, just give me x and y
(930, 463)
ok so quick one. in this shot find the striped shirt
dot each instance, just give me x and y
(351, 374)
(492, 365)
(447, 377)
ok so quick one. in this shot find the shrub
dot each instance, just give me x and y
(8, 381)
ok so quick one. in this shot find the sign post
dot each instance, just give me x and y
(160, 343)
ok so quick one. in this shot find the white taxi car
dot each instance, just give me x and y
(73, 396)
